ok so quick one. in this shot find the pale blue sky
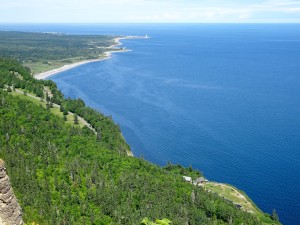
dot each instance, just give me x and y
(149, 11)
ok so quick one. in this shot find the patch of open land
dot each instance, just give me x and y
(65, 67)
(231, 194)
(237, 197)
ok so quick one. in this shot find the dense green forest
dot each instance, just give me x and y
(14, 74)
(62, 174)
(44, 51)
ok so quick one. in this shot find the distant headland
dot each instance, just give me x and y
(106, 55)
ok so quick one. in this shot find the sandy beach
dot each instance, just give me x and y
(107, 55)
(49, 73)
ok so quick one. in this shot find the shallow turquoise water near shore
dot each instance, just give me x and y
(222, 98)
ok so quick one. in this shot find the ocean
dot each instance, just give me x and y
(223, 98)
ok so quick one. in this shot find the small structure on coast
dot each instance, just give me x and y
(199, 181)
(187, 179)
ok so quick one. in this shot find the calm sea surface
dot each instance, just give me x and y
(222, 98)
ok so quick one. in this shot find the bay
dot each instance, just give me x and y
(224, 98)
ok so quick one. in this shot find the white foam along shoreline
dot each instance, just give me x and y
(107, 55)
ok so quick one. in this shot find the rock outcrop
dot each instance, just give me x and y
(10, 210)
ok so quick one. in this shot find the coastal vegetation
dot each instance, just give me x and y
(238, 197)
(64, 173)
(46, 51)
(14, 74)
(164, 221)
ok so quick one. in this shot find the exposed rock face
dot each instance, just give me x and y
(10, 210)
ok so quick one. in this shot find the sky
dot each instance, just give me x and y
(149, 11)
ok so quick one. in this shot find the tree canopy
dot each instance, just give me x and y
(62, 174)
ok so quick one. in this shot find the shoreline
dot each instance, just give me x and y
(106, 55)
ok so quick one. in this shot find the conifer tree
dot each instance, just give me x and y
(75, 119)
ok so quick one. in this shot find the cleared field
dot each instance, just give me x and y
(55, 110)
(238, 198)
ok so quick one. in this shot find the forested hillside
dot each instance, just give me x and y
(63, 174)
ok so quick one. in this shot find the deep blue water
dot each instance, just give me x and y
(222, 98)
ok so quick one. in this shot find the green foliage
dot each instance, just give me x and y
(12, 72)
(45, 47)
(63, 175)
(179, 169)
(164, 221)
(75, 119)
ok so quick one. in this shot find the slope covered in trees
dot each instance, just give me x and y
(14, 74)
(65, 175)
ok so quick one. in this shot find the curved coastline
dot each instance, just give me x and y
(105, 56)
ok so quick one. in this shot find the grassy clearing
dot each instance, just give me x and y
(39, 66)
(238, 197)
(231, 194)
(54, 110)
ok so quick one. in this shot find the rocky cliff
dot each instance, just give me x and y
(10, 210)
